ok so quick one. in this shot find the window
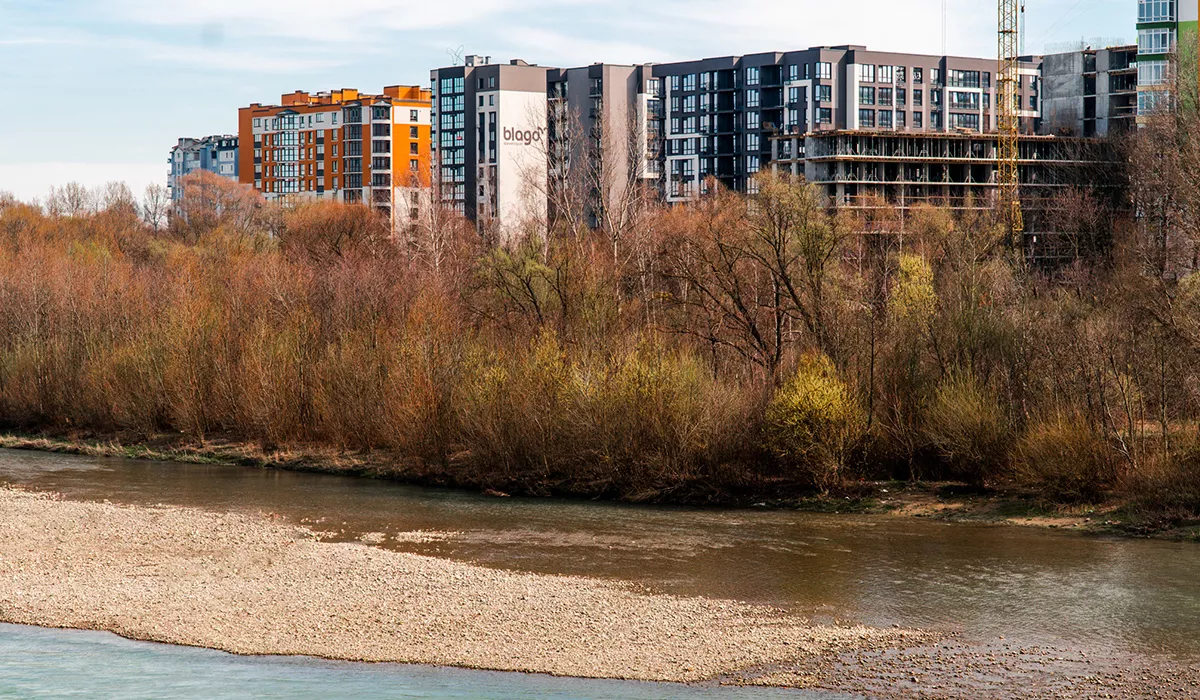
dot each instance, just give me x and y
(793, 95)
(752, 98)
(689, 125)
(1156, 41)
(257, 123)
(689, 82)
(825, 71)
(414, 165)
(963, 100)
(901, 97)
(689, 103)
(900, 120)
(752, 76)
(381, 113)
(1156, 10)
(885, 119)
(885, 97)
(987, 79)
(866, 73)
(901, 74)
(752, 142)
(935, 76)
(381, 146)
(935, 120)
(413, 149)
(413, 132)
(964, 78)
(866, 118)
(824, 115)
(935, 98)
(918, 120)
(866, 95)
(1152, 102)
(414, 115)
(965, 121)
(885, 74)
(1033, 102)
(675, 83)
(824, 93)
(793, 72)
(918, 75)
(752, 164)
(918, 97)
(753, 120)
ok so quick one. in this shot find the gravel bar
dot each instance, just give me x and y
(256, 585)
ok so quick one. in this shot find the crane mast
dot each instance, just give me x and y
(1008, 112)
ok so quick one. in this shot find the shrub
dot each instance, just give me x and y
(1066, 459)
(967, 426)
(1168, 484)
(814, 422)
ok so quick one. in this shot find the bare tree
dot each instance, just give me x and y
(156, 203)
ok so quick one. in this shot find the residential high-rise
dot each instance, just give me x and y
(490, 136)
(722, 114)
(344, 145)
(216, 154)
(1167, 37)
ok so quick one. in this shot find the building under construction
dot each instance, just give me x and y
(865, 169)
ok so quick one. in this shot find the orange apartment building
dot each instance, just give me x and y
(342, 145)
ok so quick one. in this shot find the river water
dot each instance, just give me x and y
(1032, 586)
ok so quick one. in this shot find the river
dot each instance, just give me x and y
(1126, 598)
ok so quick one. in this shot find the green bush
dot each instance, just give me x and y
(814, 422)
(967, 426)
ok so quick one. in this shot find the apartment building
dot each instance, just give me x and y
(342, 145)
(722, 114)
(1090, 92)
(1167, 34)
(216, 154)
(605, 135)
(490, 140)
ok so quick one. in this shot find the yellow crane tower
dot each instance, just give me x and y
(1008, 96)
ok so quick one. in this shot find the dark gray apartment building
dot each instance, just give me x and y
(722, 114)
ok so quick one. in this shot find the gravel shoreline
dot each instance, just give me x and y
(253, 585)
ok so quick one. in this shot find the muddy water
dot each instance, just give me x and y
(1122, 597)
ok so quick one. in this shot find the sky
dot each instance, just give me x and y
(100, 90)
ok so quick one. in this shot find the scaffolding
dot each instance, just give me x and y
(905, 170)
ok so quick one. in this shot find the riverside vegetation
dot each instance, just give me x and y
(736, 347)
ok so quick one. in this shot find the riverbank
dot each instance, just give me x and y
(252, 585)
(929, 500)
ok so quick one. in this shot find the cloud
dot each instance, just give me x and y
(324, 21)
(29, 181)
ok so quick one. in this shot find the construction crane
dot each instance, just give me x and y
(1008, 96)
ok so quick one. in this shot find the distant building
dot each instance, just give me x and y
(1092, 92)
(1167, 35)
(216, 154)
(342, 145)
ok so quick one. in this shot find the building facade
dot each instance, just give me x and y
(1092, 92)
(490, 140)
(1167, 37)
(216, 154)
(342, 145)
(722, 114)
